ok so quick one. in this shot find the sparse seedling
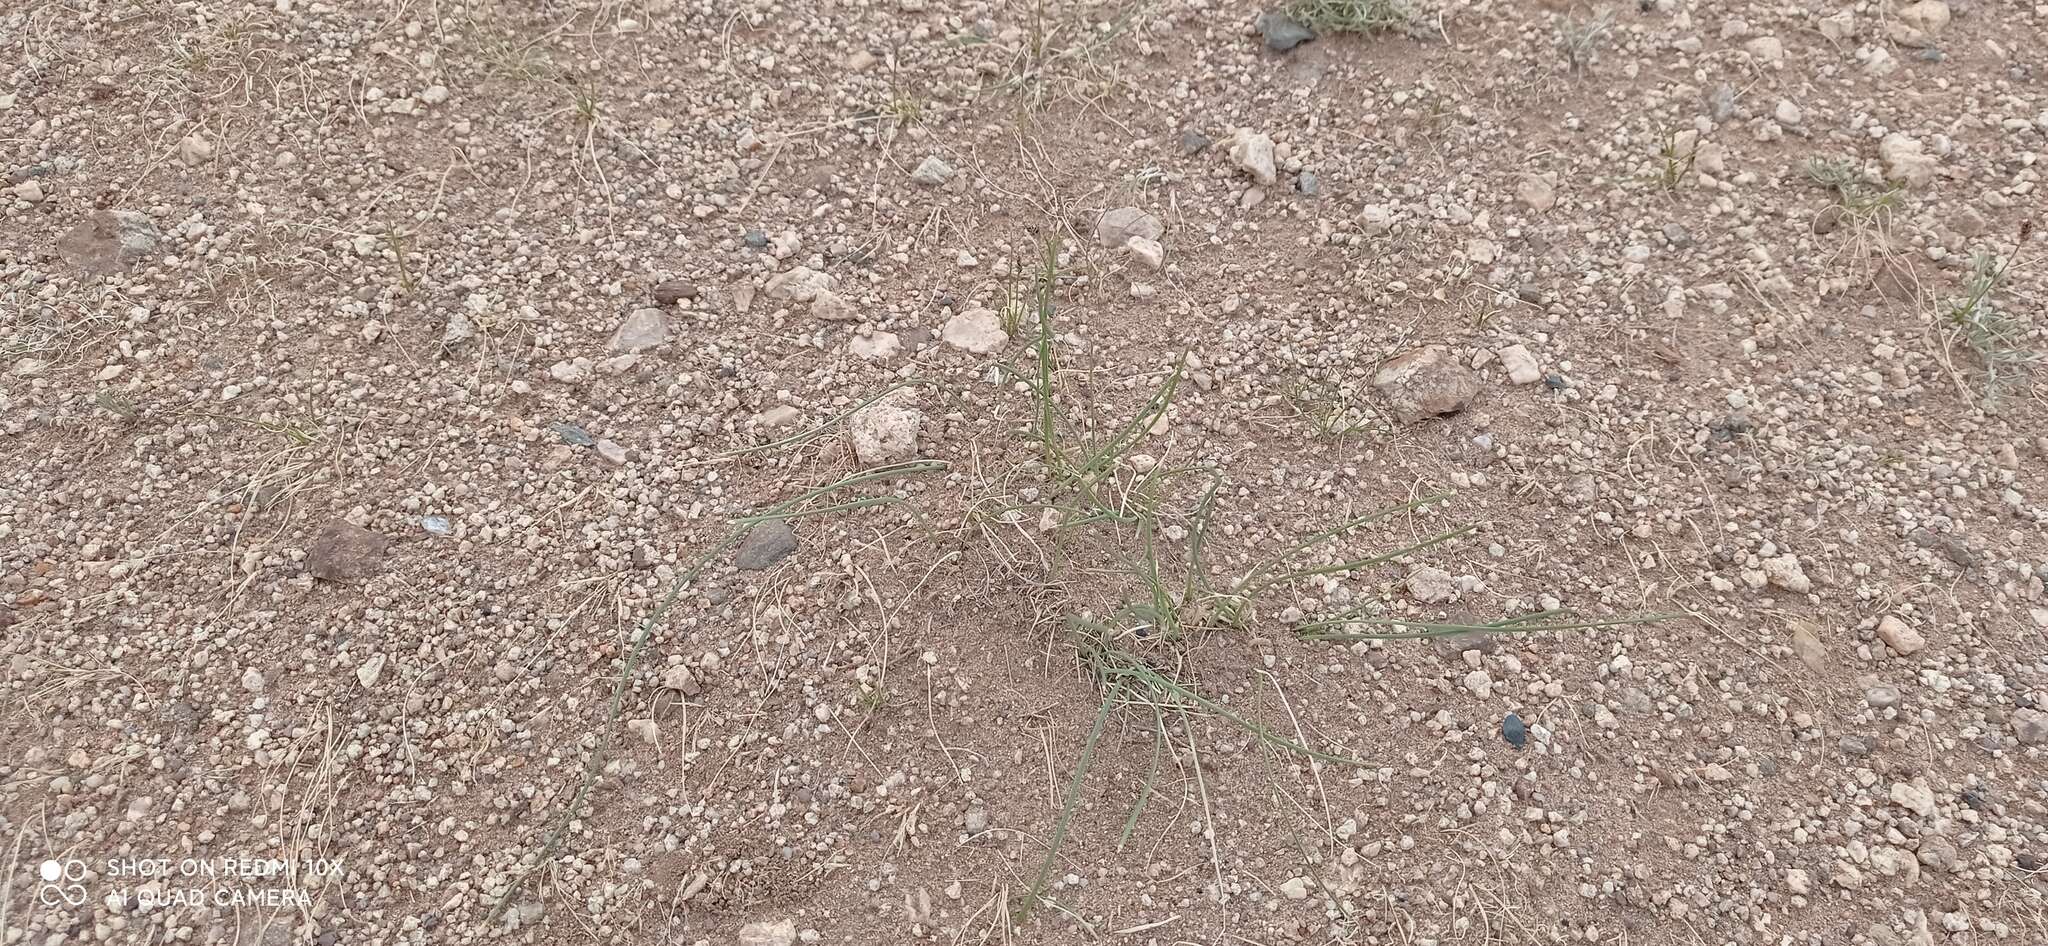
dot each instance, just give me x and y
(1327, 408)
(1580, 38)
(1147, 178)
(1092, 478)
(1131, 654)
(905, 111)
(587, 107)
(397, 242)
(1853, 192)
(119, 405)
(1998, 336)
(1678, 152)
(803, 505)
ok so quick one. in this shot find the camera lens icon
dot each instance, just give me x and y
(62, 883)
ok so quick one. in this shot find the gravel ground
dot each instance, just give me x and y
(417, 419)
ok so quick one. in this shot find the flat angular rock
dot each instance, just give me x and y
(764, 545)
(767, 933)
(1253, 152)
(344, 551)
(1520, 364)
(1906, 160)
(1283, 32)
(1917, 24)
(1147, 252)
(800, 284)
(1901, 637)
(1425, 383)
(642, 330)
(932, 172)
(977, 330)
(1117, 227)
(829, 306)
(2031, 726)
(1806, 643)
(109, 241)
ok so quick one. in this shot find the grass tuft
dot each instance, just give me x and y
(1351, 16)
(1998, 336)
(1580, 38)
(1853, 192)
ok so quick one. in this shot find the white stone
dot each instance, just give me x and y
(368, 672)
(875, 346)
(932, 172)
(571, 372)
(1785, 572)
(1117, 227)
(1295, 888)
(642, 329)
(1479, 683)
(976, 330)
(1536, 191)
(765, 933)
(1905, 160)
(194, 150)
(1917, 24)
(886, 431)
(1520, 365)
(1375, 219)
(1431, 585)
(1918, 799)
(1840, 26)
(1146, 251)
(1253, 152)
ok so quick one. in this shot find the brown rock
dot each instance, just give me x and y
(674, 291)
(1425, 383)
(1806, 643)
(1901, 637)
(344, 551)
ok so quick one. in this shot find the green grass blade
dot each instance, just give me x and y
(1153, 679)
(1426, 630)
(1338, 531)
(814, 433)
(1367, 562)
(1067, 808)
(1204, 508)
(1135, 429)
(1151, 779)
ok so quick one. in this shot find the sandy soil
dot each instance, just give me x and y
(857, 472)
